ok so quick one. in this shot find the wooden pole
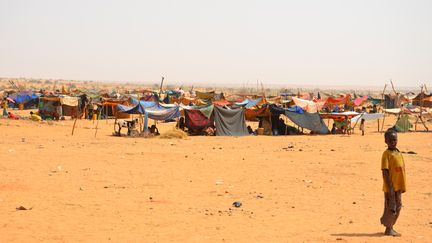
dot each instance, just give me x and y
(160, 88)
(382, 126)
(357, 122)
(424, 124)
(391, 81)
(141, 123)
(378, 125)
(73, 127)
(106, 113)
(382, 96)
(76, 118)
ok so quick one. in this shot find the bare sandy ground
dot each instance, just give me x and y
(86, 189)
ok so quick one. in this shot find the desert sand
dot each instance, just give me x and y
(309, 188)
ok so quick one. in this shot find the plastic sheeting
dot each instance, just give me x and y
(311, 121)
(23, 97)
(308, 105)
(367, 116)
(230, 122)
(248, 103)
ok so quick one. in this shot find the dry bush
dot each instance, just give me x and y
(175, 133)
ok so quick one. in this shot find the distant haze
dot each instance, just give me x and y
(354, 43)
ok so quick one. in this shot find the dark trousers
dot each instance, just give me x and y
(390, 214)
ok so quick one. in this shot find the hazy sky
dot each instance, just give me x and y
(322, 42)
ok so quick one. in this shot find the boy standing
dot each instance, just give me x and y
(393, 170)
(362, 124)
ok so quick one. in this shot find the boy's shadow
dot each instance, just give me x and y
(377, 234)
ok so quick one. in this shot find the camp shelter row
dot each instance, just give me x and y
(228, 121)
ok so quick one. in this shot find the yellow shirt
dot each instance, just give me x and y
(35, 117)
(393, 161)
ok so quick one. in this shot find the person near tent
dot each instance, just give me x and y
(35, 117)
(250, 130)
(347, 126)
(12, 116)
(334, 129)
(181, 124)
(394, 182)
(374, 109)
(4, 106)
(154, 130)
(362, 126)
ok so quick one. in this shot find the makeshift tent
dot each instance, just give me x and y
(152, 110)
(338, 101)
(196, 121)
(367, 117)
(247, 103)
(230, 122)
(252, 114)
(221, 103)
(207, 110)
(339, 115)
(311, 121)
(394, 100)
(307, 105)
(423, 100)
(359, 101)
(403, 124)
(56, 106)
(205, 95)
(24, 99)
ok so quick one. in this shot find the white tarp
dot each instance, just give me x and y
(367, 116)
(69, 101)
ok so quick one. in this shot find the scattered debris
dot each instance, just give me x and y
(237, 204)
(23, 208)
(409, 152)
(219, 182)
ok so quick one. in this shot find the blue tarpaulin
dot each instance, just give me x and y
(248, 103)
(23, 97)
(151, 110)
(311, 121)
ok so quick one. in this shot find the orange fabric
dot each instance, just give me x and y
(251, 114)
(338, 101)
(221, 102)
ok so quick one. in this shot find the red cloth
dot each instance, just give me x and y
(338, 101)
(194, 119)
(12, 116)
